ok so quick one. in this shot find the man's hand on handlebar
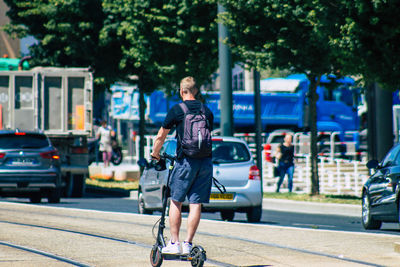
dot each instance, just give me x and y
(155, 156)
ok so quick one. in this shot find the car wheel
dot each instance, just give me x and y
(75, 185)
(227, 215)
(35, 198)
(141, 205)
(54, 196)
(368, 222)
(254, 214)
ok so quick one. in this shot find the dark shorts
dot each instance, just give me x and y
(192, 178)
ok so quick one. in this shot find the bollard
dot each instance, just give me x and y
(267, 152)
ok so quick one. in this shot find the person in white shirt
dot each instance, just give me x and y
(104, 133)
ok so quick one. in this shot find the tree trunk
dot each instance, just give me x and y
(313, 132)
(142, 109)
(380, 121)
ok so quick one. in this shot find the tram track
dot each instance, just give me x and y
(74, 262)
(44, 253)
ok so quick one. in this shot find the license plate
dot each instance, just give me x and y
(23, 162)
(217, 196)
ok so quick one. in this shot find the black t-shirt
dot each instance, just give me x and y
(175, 119)
(287, 154)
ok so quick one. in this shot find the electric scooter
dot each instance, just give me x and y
(197, 255)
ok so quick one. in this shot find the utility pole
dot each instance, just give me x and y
(380, 121)
(225, 77)
(257, 122)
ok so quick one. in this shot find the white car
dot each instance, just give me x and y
(234, 167)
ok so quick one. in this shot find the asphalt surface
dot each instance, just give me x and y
(95, 238)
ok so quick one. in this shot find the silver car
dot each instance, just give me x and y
(29, 166)
(233, 167)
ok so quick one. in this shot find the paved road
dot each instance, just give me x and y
(94, 238)
(275, 212)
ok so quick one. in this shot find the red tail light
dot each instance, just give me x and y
(79, 150)
(2, 155)
(50, 155)
(19, 133)
(254, 173)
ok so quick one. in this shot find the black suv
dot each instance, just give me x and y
(29, 166)
(381, 192)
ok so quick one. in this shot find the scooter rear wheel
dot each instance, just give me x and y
(156, 258)
(198, 255)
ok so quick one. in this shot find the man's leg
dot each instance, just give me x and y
(193, 221)
(175, 219)
(282, 173)
(290, 172)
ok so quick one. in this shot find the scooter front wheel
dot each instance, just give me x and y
(198, 255)
(156, 258)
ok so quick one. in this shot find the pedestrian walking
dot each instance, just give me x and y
(285, 157)
(192, 173)
(104, 134)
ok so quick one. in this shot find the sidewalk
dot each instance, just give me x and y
(312, 207)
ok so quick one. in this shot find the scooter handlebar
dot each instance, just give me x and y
(167, 156)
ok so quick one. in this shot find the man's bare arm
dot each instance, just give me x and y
(158, 142)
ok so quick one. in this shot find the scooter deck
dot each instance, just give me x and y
(177, 257)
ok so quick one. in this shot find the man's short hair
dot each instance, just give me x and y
(188, 84)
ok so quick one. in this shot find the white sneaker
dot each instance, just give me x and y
(172, 248)
(186, 247)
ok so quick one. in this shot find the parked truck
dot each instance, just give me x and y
(58, 102)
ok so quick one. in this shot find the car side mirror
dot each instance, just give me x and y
(143, 163)
(372, 164)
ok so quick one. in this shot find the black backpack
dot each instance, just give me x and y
(196, 139)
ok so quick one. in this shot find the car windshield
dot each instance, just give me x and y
(229, 152)
(15, 141)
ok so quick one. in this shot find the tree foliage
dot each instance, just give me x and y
(371, 37)
(295, 34)
(67, 34)
(163, 41)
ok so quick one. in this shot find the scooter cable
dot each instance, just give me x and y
(154, 226)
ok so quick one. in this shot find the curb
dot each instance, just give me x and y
(108, 191)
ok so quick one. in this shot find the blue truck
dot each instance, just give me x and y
(283, 105)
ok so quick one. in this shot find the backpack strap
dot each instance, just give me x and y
(184, 107)
(202, 108)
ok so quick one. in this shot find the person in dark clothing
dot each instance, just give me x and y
(191, 177)
(286, 162)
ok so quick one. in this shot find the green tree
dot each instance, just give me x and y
(300, 35)
(67, 34)
(371, 37)
(162, 41)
